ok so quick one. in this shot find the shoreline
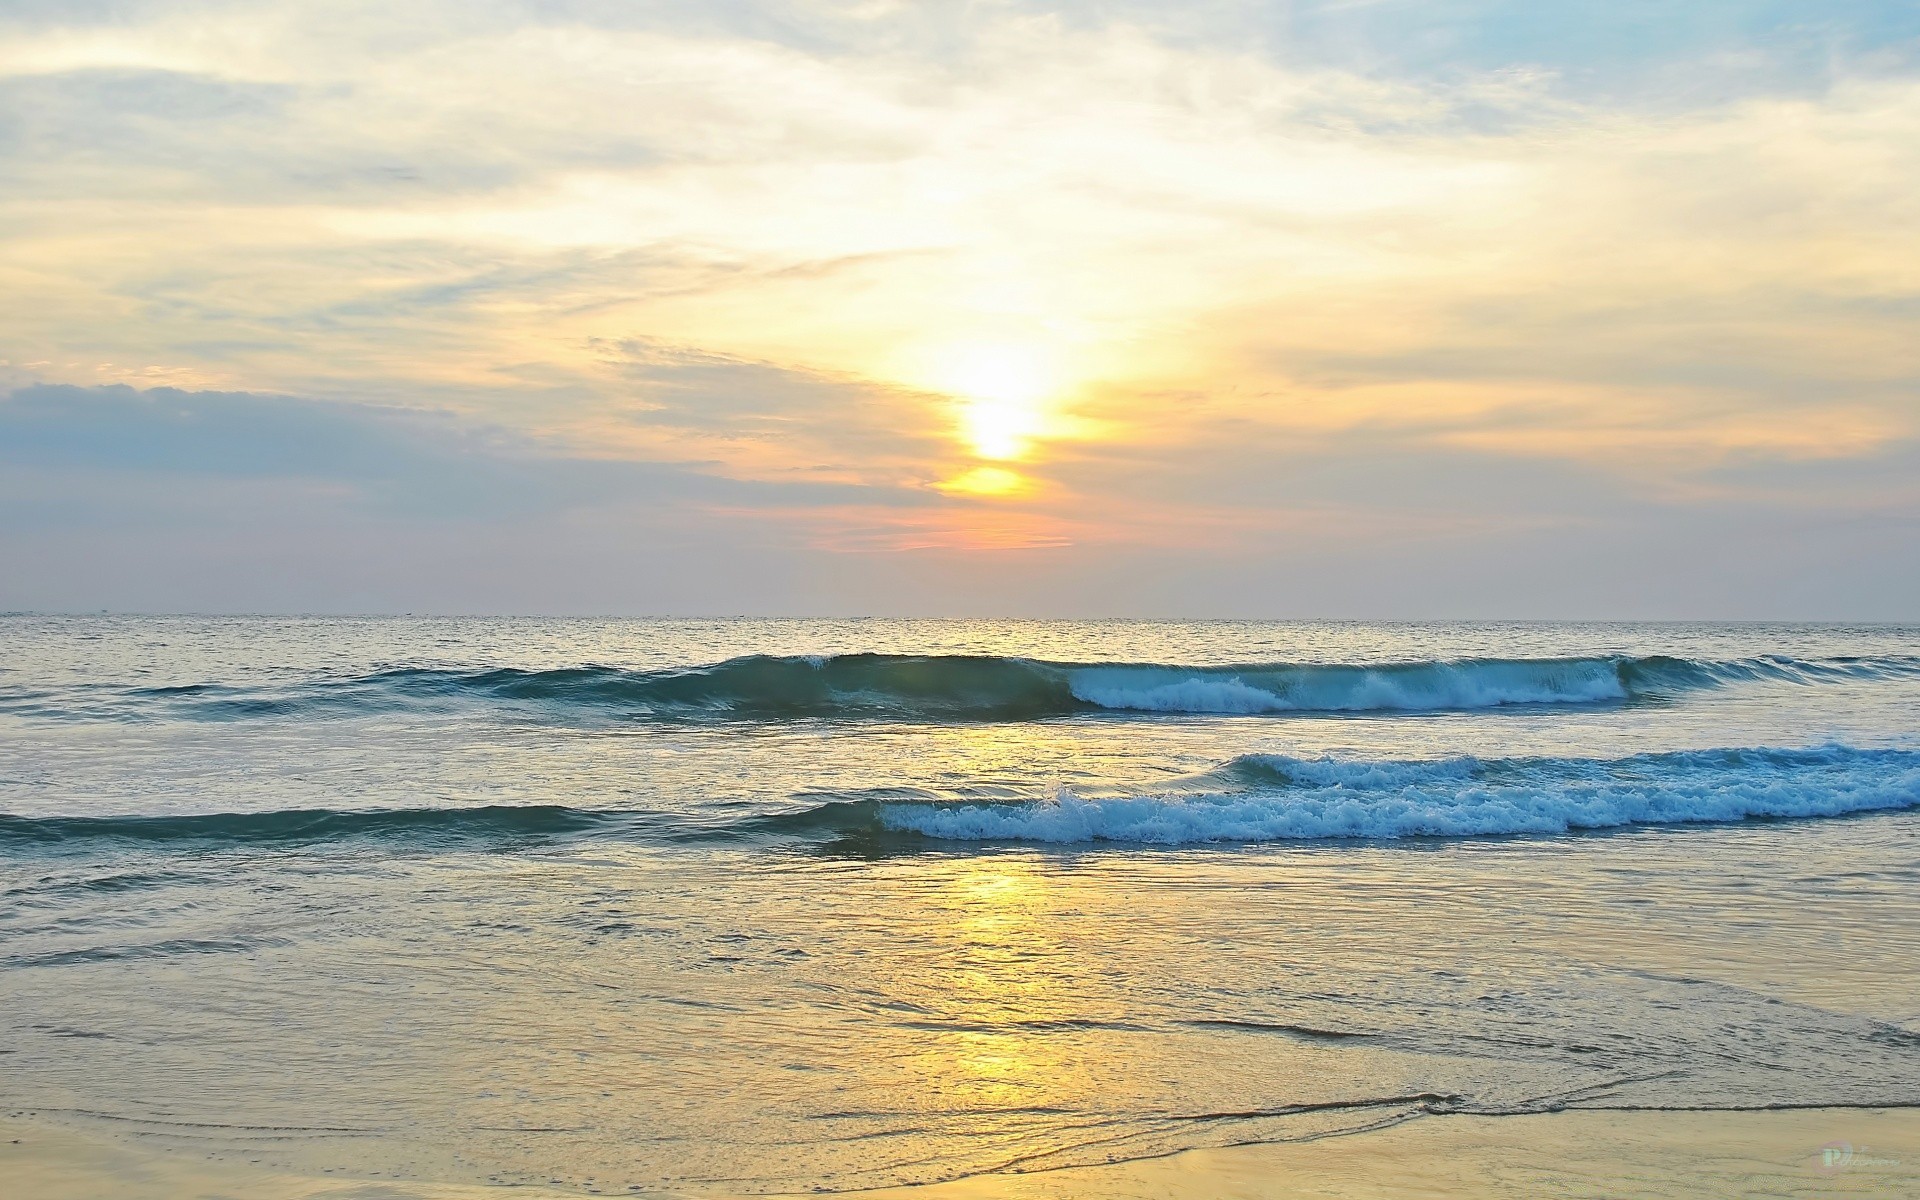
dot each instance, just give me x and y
(1806, 1152)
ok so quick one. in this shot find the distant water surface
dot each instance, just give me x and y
(783, 905)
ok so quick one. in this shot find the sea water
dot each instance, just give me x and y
(757, 906)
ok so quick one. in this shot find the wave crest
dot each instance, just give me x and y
(964, 687)
(1254, 798)
(1394, 687)
(1280, 798)
(481, 823)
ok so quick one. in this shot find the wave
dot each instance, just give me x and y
(1253, 798)
(493, 822)
(1270, 798)
(977, 687)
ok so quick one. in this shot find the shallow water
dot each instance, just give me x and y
(699, 905)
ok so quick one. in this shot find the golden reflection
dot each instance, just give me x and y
(1006, 985)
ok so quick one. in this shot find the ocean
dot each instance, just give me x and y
(758, 906)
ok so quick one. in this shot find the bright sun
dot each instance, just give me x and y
(1003, 389)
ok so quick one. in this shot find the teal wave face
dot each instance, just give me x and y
(439, 826)
(1267, 798)
(1253, 798)
(964, 687)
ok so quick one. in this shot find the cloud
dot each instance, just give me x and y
(390, 462)
(1310, 282)
(777, 422)
(166, 501)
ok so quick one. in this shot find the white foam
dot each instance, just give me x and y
(1194, 695)
(1332, 798)
(1407, 687)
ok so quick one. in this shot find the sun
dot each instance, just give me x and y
(1003, 389)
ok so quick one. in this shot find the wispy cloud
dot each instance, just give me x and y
(1465, 248)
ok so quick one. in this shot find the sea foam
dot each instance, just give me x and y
(1337, 688)
(1283, 798)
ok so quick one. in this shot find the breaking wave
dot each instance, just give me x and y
(1254, 798)
(950, 687)
(1265, 798)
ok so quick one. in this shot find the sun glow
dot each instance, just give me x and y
(986, 481)
(1003, 389)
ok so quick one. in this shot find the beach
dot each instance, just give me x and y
(959, 600)
(950, 909)
(1657, 1155)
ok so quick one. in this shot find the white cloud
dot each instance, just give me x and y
(748, 236)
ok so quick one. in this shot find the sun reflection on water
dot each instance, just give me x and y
(1001, 993)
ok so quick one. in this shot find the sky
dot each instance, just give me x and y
(1335, 308)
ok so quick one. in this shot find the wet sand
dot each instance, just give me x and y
(1798, 1153)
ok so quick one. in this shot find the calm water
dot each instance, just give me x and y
(783, 905)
